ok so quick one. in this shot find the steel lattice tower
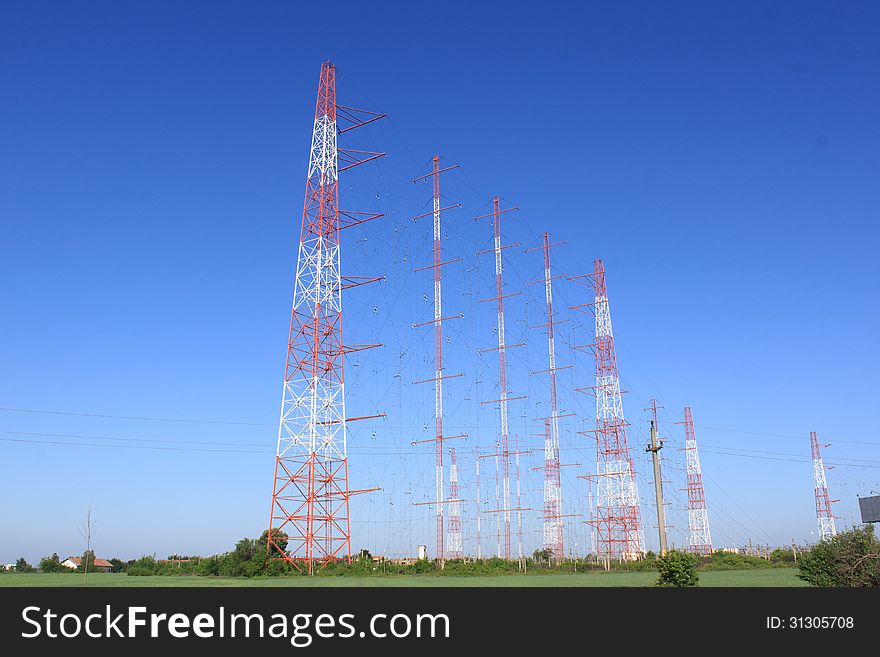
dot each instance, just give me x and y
(553, 532)
(503, 398)
(824, 517)
(454, 549)
(310, 498)
(440, 500)
(479, 504)
(699, 537)
(618, 521)
(519, 506)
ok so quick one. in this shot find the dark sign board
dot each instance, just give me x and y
(870, 508)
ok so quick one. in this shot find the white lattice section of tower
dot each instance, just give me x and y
(699, 536)
(313, 405)
(616, 486)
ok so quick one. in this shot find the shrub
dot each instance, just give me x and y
(22, 566)
(52, 564)
(849, 559)
(677, 569)
(144, 566)
(118, 565)
(733, 561)
(783, 556)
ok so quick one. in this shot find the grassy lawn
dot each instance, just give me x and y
(758, 577)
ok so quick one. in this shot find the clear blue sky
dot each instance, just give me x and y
(725, 162)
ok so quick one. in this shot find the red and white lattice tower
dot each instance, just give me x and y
(618, 517)
(824, 517)
(699, 537)
(310, 497)
(503, 395)
(553, 532)
(479, 505)
(519, 506)
(497, 512)
(440, 500)
(454, 550)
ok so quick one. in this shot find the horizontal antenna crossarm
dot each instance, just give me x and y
(551, 417)
(495, 401)
(507, 346)
(361, 491)
(440, 502)
(434, 321)
(492, 214)
(431, 213)
(503, 296)
(439, 264)
(358, 218)
(350, 349)
(350, 114)
(553, 369)
(546, 324)
(541, 248)
(350, 157)
(438, 439)
(438, 378)
(349, 282)
(544, 280)
(352, 419)
(428, 175)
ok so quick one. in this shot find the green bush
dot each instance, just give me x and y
(146, 565)
(783, 556)
(22, 566)
(733, 561)
(849, 559)
(677, 569)
(52, 564)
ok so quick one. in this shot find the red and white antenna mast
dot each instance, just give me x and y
(553, 538)
(824, 517)
(310, 492)
(699, 537)
(502, 348)
(454, 549)
(617, 518)
(479, 515)
(439, 376)
(519, 506)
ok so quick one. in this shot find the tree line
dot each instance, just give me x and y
(851, 558)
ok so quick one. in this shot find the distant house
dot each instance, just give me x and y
(101, 565)
(405, 561)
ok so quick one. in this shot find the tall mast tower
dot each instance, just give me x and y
(310, 492)
(519, 507)
(553, 535)
(502, 347)
(455, 549)
(437, 323)
(699, 537)
(479, 504)
(617, 518)
(824, 517)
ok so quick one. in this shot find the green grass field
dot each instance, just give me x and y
(757, 577)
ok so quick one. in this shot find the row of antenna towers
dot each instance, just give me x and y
(310, 523)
